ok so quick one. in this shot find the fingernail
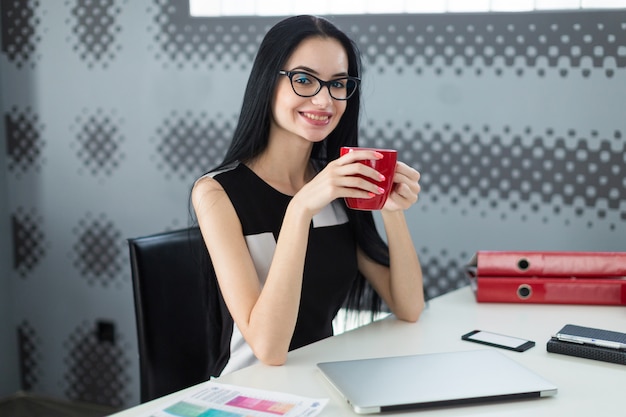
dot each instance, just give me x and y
(381, 190)
(381, 177)
(371, 195)
(379, 155)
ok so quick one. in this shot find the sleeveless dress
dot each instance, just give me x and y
(330, 266)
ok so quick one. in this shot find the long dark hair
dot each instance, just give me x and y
(251, 135)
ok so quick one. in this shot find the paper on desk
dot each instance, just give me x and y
(221, 400)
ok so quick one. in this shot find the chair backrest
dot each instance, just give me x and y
(178, 337)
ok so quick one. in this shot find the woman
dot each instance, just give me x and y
(285, 248)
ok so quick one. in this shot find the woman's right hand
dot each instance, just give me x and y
(343, 177)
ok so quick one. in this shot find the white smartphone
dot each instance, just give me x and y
(498, 340)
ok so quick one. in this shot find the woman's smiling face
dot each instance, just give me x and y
(312, 118)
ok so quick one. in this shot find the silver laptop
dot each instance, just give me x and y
(432, 380)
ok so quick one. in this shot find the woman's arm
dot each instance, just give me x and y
(400, 285)
(265, 315)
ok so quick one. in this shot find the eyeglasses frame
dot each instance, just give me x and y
(322, 83)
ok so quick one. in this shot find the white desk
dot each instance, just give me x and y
(586, 387)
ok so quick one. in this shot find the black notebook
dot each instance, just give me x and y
(589, 343)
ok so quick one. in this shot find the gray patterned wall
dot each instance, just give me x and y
(8, 345)
(112, 108)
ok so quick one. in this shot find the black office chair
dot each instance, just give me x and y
(180, 314)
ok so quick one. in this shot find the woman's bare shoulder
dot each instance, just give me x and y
(206, 191)
(206, 183)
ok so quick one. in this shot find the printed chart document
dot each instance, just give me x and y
(221, 400)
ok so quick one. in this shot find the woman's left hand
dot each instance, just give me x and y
(405, 189)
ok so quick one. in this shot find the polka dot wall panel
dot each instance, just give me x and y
(111, 109)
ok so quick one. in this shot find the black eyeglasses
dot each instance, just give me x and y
(307, 85)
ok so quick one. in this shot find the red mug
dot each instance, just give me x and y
(386, 166)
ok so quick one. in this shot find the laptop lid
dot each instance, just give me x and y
(431, 380)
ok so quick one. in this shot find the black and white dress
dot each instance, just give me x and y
(330, 267)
